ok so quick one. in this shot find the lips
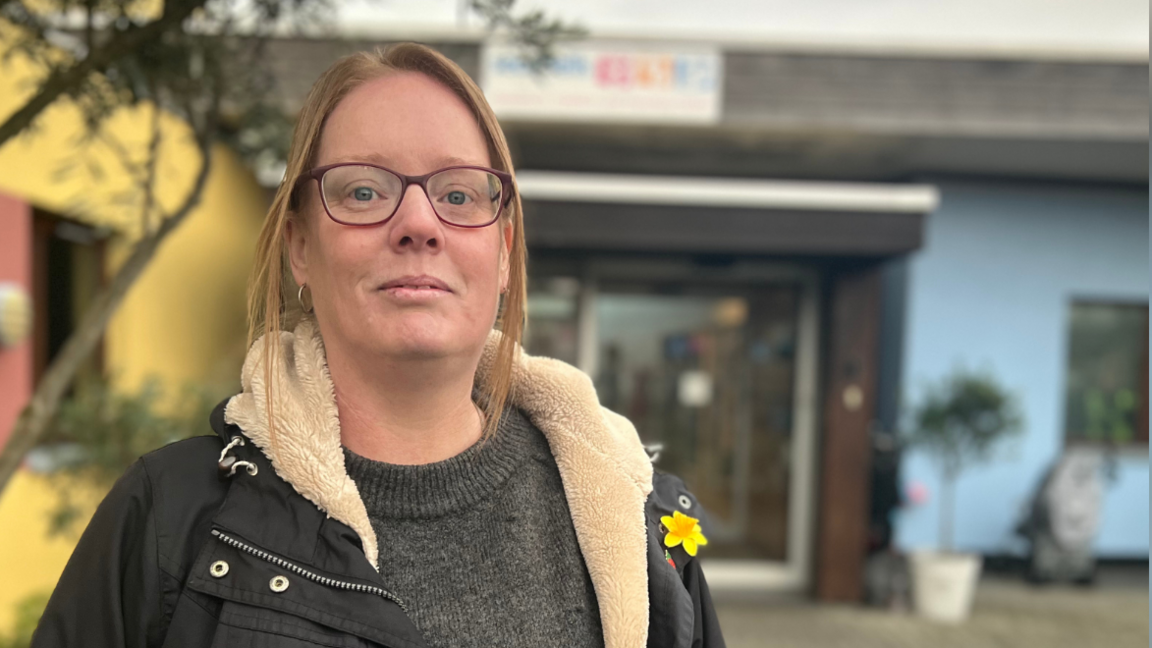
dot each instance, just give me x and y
(417, 282)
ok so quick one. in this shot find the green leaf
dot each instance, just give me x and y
(99, 432)
(27, 616)
(962, 418)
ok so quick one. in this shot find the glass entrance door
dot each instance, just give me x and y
(707, 372)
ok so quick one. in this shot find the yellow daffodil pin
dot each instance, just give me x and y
(683, 530)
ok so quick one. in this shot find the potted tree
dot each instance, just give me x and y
(958, 423)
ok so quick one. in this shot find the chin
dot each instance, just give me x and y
(415, 335)
(419, 349)
(417, 342)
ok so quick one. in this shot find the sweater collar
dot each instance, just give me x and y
(406, 492)
(606, 473)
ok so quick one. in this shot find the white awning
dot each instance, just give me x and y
(727, 192)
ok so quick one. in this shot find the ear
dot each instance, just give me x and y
(508, 233)
(295, 238)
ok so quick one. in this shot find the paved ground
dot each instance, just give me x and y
(1008, 614)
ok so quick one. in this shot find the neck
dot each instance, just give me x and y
(405, 412)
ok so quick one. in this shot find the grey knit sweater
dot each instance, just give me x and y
(481, 546)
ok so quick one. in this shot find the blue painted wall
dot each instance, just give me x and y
(991, 289)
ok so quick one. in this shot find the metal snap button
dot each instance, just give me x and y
(278, 584)
(685, 502)
(218, 569)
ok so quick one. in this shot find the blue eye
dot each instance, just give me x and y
(457, 197)
(363, 193)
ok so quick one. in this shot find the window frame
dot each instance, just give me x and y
(1139, 442)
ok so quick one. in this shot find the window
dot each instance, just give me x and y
(68, 269)
(552, 318)
(1106, 393)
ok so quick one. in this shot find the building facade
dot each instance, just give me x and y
(1011, 277)
(63, 232)
(761, 254)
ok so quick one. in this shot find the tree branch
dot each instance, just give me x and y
(149, 182)
(62, 80)
(79, 345)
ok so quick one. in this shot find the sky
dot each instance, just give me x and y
(1100, 26)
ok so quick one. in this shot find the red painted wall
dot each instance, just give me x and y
(15, 266)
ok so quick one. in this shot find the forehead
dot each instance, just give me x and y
(404, 120)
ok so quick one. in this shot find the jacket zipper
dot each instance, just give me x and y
(323, 580)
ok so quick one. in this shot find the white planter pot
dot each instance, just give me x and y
(944, 584)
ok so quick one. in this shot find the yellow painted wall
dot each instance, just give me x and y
(30, 561)
(183, 321)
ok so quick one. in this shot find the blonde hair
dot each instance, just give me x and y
(272, 294)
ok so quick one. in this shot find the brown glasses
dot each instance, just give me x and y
(362, 195)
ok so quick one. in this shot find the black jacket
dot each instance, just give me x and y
(179, 556)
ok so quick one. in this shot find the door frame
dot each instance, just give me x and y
(795, 573)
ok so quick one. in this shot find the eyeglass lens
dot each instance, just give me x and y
(361, 195)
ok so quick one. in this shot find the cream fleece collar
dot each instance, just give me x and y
(606, 473)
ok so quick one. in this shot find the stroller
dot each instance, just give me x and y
(1064, 516)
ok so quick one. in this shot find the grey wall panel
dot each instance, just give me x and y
(937, 96)
(649, 228)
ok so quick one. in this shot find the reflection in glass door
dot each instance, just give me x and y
(708, 372)
(722, 373)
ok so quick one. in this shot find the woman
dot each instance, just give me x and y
(395, 472)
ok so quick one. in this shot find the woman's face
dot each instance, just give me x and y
(364, 280)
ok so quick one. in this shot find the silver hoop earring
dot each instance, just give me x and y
(300, 298)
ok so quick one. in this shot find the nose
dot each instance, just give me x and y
(415, 225)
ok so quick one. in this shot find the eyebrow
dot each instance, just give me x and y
(376, 158)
